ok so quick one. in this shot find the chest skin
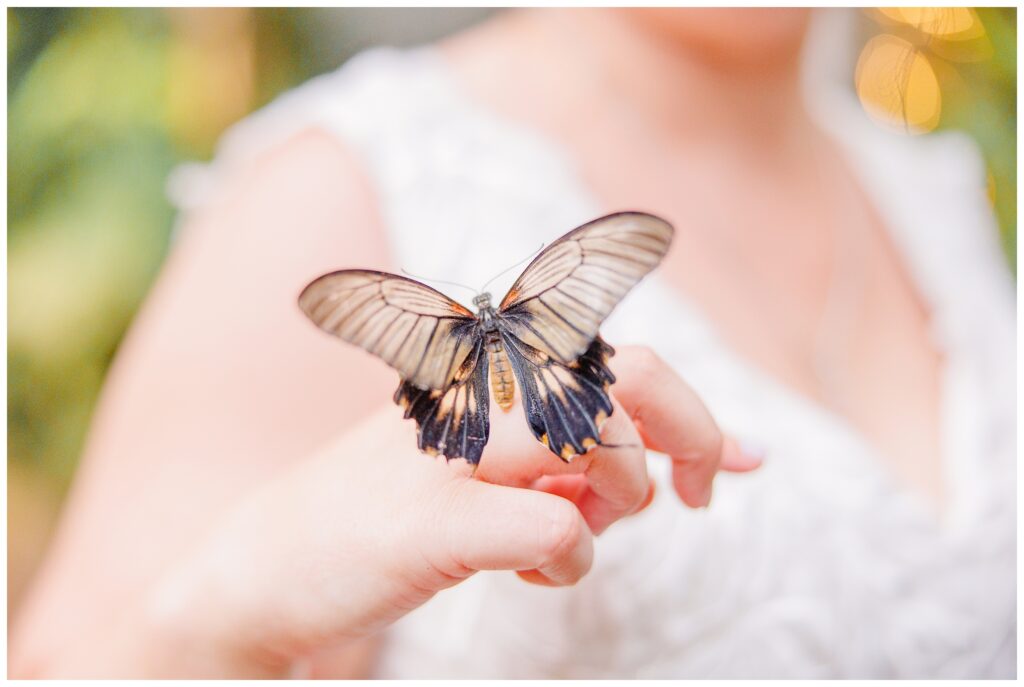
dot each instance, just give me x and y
(503, 385)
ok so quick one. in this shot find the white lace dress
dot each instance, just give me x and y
(818, 564)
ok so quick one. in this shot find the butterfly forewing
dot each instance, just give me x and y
(563, 296)
(420, 332)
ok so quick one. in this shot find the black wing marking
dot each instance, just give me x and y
(563, 296)
(420, 332)
(565, 405)
(453, 421)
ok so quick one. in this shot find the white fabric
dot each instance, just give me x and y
(818, 564)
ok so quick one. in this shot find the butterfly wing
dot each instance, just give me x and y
(432, 341)
(565, 405)
(453, 421)
(420, 332)
(563, 296)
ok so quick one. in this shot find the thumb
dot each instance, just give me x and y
(491, 527)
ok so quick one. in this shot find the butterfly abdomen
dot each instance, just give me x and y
(502, 382)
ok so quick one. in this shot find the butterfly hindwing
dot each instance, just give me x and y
(565, 405)
(453, 421)
(418, 331)
(563, 296)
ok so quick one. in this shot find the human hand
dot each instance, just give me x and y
(654, 410)
(368, 529)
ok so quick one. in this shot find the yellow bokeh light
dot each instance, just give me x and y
(212, 72)
(897, 85)
(950, 23)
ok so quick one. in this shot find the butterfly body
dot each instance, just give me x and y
(543, 337)
(503, 385)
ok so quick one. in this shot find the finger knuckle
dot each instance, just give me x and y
(709, 446)
(436, 536)
(638, 500)
(560, 534)
(645, 363)
(716, 440)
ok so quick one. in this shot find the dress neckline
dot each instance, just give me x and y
(882, 205)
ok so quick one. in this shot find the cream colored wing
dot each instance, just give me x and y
(564, 295)
(420, 332)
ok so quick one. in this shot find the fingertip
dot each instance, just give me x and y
(491, 527)
(566, 545)
(536, 577)
(741, 456)
(694, 489)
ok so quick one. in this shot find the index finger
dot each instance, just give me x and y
(616, 472)
(673, 420)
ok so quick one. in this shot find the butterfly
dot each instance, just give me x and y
(543, 337)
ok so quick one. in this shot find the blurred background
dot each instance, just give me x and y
(102, 103)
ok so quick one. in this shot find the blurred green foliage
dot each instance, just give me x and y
(976, 70)
(104, 102)
(95, 123)
(980, 97)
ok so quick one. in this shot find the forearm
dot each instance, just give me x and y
(347, 541)
(145, 639)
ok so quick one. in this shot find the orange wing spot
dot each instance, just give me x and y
(565, 377)
(544, 439)
(510, 297)
(460, 408)
(430, 451)
(600, 418)
(447, 403)
(460, 309)
(552, 383)
(568, 452)
(589, 443)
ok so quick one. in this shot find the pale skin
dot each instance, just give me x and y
(242, 512)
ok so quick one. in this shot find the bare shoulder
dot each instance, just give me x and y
(226, 303)
(297, 209)
(310, 186)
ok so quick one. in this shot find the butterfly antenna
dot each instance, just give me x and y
(509, 269)
(440, 281)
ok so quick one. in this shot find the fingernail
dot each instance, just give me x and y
(753, 450)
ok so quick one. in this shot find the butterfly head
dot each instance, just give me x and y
(482, 301)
